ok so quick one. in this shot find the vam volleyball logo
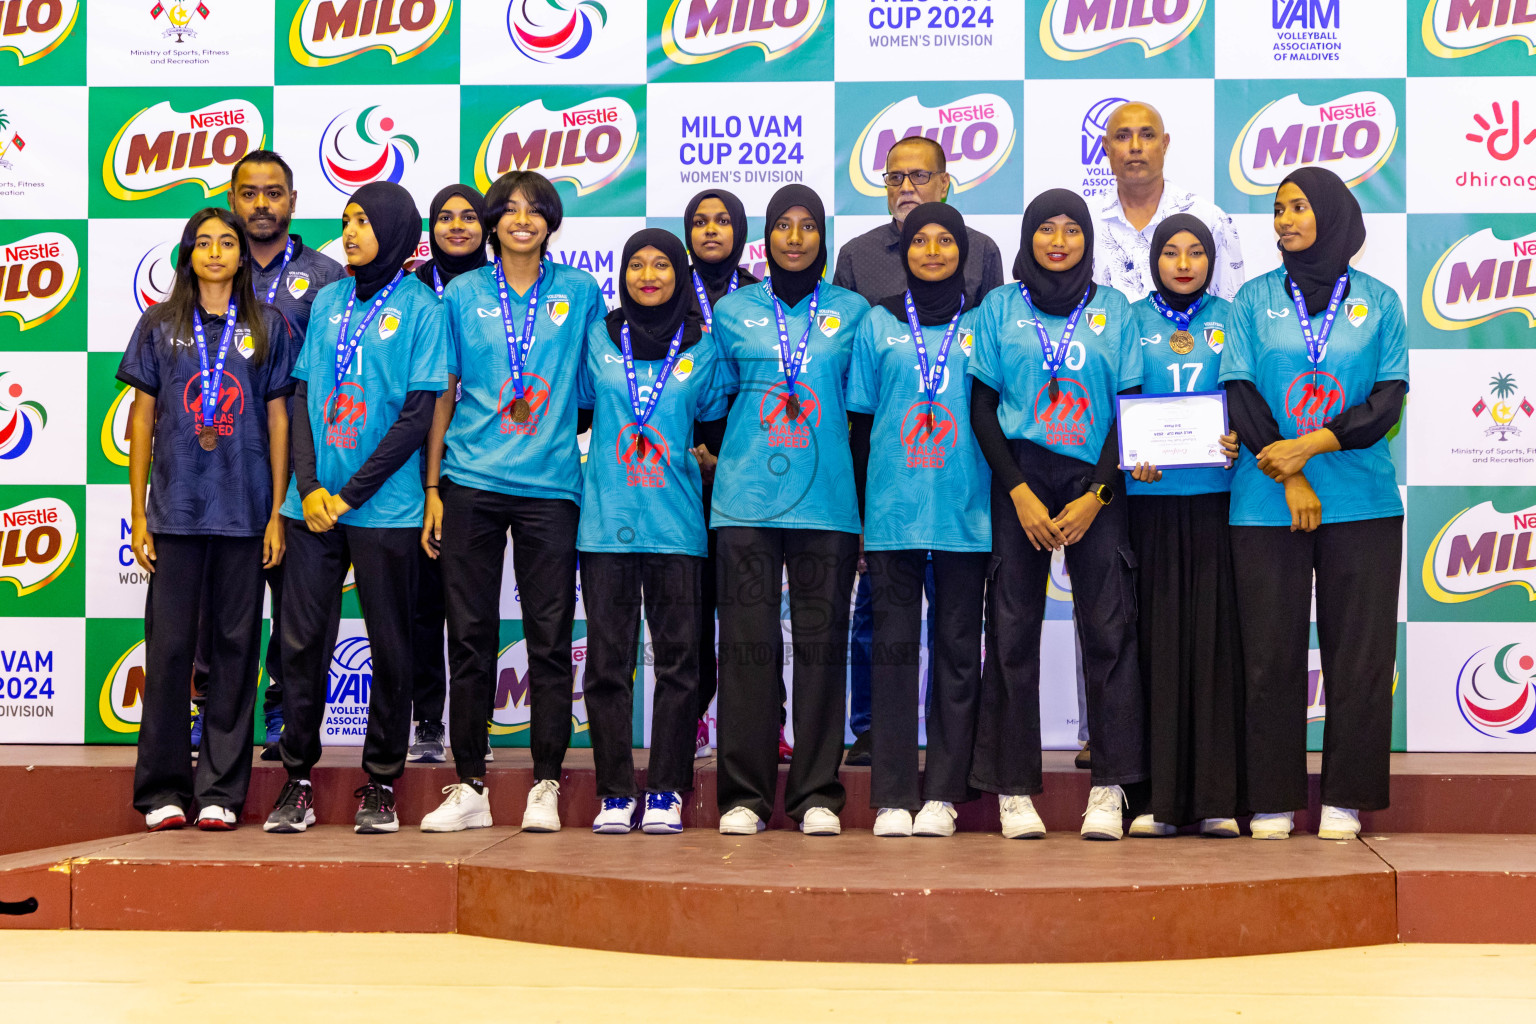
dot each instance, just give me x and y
(38, 540)
(587, 145)
(1479, 277)
(512, 709)
(32, 29)
(976, 131)
(21, 419)
(121, 700)
(154, 275)
(551, 30)
(161, 147)
(1460, 28)
(1353, 136)
(1496, 690)
(327, 32)
(39, 276)
(695, 31)
(1074, 29)
(361, 145)
(1479, 551)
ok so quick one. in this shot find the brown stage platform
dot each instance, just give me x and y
(1446, 864)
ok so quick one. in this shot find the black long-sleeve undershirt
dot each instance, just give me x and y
(301, 441)
(860, 426)
(1359, 426)
(998, 452)
(402, 440)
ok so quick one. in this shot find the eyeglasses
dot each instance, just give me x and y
(893, 179)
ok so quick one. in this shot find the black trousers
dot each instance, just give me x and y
(273, 658)
(475, 526)
(896, 581)
(1356, 567)
(708, 602)
(1103, 568)
(429, 668)
(820, 566)
(384, 560)
(613, 587)
(163, 773)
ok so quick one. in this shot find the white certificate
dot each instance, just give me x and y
(1172, 431)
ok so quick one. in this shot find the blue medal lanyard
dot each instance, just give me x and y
(517, 350)
(437, 281)
(934, 378)
(212, 377)
(705, 309)
(1317, 344)
(1180, 320)
(278, 278)
(346, 343)
(643, 413)
(1053, 360)
(793, 362)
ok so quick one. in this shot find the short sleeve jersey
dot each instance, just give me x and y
(648, 500)
(1100, 362)
(226, 492)
(401, 351)
(486, 448)
(928, 485)
(1265, 347)
(297, 284)
(776, 469)
(1167, 372)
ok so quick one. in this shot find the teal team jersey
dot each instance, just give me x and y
(402, 351)
(1265, 347)
(650, 501)
(775, 471)
(1101, 362)
(1166, 372)
(486, 448)
(928, 486)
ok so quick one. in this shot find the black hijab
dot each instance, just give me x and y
(448, 265)
(651, 327)
(717, 276)
(792, 286)
(936, 302)
(396, 224)
(1340, 234)
(1056, 292)
(1169, 227)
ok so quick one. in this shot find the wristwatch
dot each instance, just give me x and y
(1103, 492)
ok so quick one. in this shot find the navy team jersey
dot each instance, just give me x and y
(928, 486)
(1166, 372)
(402, 351)
(486, 448)
(647, 501)
(226, 492)
(777, 470)
(1101, 362)
(306, 274)
(1265, 347)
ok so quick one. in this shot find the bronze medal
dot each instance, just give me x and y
(792, 407)
(1182, 342)
(1054, 390)
(208, 437)
(521, 411)
(640, 445)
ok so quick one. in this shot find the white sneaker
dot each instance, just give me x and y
(1105, 816)
(663, 814)
(1019, 818)
(1220, 828)
(165, 817)
(741, 821)
(214, 818)
(1271, 826)
(543, 813)
(615, 816)
(937, 818)
(490, 754)
(463, 808)
(1338, 823)
(893, 821)
(819, 821)
(1144, 826)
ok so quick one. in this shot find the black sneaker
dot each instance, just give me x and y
(295, 810)
(428, 747)
(861, 753)
(376, 813)
(270, 751)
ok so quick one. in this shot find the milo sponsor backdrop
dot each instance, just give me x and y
(117, 120)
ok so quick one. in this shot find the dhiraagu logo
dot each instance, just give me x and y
(32, 29)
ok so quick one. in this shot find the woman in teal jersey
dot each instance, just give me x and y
(1191, 656)
(926, 493)
(502, 456)
(784, 499)
(649, 375)
(1316, 370)
(1051, 354)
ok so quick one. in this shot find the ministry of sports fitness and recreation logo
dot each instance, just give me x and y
(179, 19)
(976, 131)
(1479, 277)
(20, 418)
(1075, 29)
(695, 31)
(511, 709)
(32, 29)
(161, 147)
(11, 148)
(1352, 135)
(38, 277)
(1501, 406)
(1479, 551)
(587, 145)
(38, 540)
(121, 699)
(327, 32)
(551, 30)
(1496, 690)
(1460, 28)
(361, 145)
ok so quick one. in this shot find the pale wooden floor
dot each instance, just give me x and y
(165, 978)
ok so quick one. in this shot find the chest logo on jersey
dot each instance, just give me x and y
(536, 392)
(243, 343)
(1356, 311)
(557, 309)
(346, 416)
(1280, 315)
(231, 403)
(1067, 417)
(494, 311)
(775, 412)
(967, 342)
(644, 466)
(389, 323)
(1097, 320)
(1313, 399)
(684, 368)
(929, 432)
(829, 323)
(905, 339)
(756, 323)
(1156, 339)
(1215, 337)
(298, 284)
